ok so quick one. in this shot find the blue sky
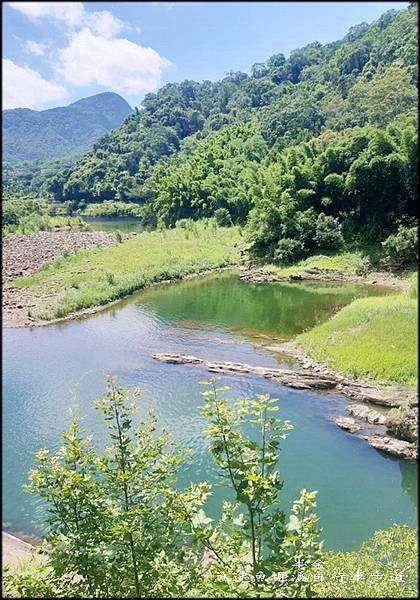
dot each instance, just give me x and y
(57, 52)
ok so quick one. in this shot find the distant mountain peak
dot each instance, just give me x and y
(55, 132)
(102, 96)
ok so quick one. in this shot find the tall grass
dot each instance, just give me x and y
(34, 223)
(413, 282)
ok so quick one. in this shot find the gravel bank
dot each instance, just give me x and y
(25, 254)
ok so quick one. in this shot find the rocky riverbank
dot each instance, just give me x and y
(25, 254)
(257, 274)
(376, 411)
(367, 422)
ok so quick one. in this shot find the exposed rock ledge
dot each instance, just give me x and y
(287, 377)
(367, 414)
(311, 379)
(255, 274)
(392, 445)
(389, 396)
(347, 423)
(258, 275)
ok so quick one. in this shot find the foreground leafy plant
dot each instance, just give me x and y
(254, 545)
(119, 527)
(110, 514)
(384, 567)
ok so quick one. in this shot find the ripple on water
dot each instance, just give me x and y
(47, 369)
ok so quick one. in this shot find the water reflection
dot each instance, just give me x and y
(219, 317)
(409, 480)
(123, 224)
(281, 309)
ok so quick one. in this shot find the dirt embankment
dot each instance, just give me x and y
(25, 254)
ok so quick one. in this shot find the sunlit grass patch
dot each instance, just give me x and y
(373, 338)
(100, 275)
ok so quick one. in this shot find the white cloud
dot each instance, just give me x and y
(104, 23)
(26, 88)
(35, 47)
(68, 12)
(117, 64)
(71, 14)
(94, 53)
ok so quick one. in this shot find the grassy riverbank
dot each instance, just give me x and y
(99, 276)
(373, 338)
(352, 263)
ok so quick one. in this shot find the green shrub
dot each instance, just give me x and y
(384, 567)
(120, 527)
(14, 210)
(362, 265)
(32, 579)
(402, 247)
(328, 234)
(185, 224)
(289, 250)
(223, 218)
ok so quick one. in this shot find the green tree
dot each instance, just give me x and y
(119, 526)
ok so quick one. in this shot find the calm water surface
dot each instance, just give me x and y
(48, 369)
(125, 225)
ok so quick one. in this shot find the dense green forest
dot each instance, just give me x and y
(307, 152)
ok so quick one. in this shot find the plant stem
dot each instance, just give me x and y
(125, 488)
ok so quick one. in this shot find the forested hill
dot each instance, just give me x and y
(39, 135)
(327, 135)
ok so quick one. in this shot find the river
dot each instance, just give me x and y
(48, 369)
(121, 224)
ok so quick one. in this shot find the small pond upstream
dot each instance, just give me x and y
(121, 224)
(48, 369)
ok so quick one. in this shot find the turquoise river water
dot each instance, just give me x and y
(48, 369)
